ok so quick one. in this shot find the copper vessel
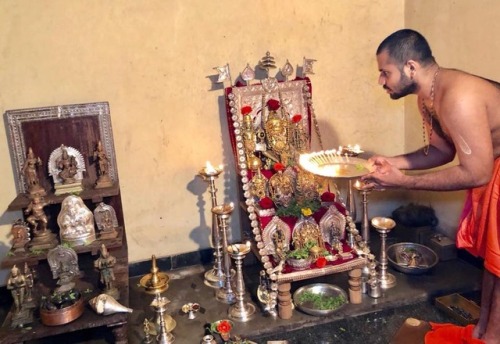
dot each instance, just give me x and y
(62, 316)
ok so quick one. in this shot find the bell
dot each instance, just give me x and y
(105, 305)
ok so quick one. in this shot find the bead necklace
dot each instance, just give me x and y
(430, 113)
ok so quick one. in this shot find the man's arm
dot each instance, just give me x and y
(465, 119)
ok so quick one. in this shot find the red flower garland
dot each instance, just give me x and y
(266, 203)
(273, 104)
(245, 110)
(297, 118)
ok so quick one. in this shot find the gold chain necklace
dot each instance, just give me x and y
(430, 113)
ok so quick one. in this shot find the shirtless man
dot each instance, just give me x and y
(461, 115)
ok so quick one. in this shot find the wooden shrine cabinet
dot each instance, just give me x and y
(81, 127)
(271, 122)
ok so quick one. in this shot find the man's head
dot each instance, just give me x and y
(405, 45)
(398, 57)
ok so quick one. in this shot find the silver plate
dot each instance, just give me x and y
(399, 256)
(319, 289)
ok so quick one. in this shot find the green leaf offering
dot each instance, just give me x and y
(321, 301)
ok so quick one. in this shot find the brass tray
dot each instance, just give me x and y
(459, 308)
(319, 289)
(330, 164)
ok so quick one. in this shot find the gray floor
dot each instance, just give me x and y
(372, 321)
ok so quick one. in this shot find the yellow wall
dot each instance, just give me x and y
(153, 62)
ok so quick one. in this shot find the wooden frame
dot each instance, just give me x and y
(44, 129)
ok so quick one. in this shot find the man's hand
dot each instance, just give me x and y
(383, 176)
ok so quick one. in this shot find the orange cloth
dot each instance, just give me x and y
(479, 227)
(450, 334)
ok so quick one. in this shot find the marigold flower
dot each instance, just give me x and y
(306, 211)
(245, 110)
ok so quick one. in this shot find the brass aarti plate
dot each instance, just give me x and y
(331, 164)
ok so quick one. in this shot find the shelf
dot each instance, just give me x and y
(96, 195)
(33, 259)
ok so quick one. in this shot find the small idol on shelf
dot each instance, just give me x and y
(30, 171)
(66, 166)
(101, 159)
(43, 238)
(105, 264)
(65, 302)
(29, 276)
(76, 222)
(107, 223)
(16, 283)
(20, 236)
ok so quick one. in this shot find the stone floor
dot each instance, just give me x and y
(372, 321)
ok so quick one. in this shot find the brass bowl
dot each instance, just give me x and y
(62, 316)
(411, 258)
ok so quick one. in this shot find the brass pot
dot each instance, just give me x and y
(62, 316)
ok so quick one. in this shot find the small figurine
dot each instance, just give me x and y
(147, 331)
(107, 223)
(17, 286)
(100, 157)
(281, 187)
(63, 262)
(66, 166)
(43, 238)
(105, 264)
(16, 283)
(30, 282)
(76, 222)
(21, 236)
(30, 174)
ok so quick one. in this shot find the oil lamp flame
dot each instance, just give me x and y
(209, 168)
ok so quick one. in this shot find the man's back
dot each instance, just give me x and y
(481, 96)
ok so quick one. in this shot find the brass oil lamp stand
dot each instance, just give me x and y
(350, 152)
(241, 310)
(351, 201)
(159, 305)
(384, 225)
(365, 222)
(155, 283)
(225, 293)
(214, 277)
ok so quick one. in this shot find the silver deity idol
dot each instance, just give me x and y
(76, 222)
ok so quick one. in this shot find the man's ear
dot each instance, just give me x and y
(411, 67)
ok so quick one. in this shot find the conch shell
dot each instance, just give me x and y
(105, 305)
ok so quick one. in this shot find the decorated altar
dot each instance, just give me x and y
(301, 227)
